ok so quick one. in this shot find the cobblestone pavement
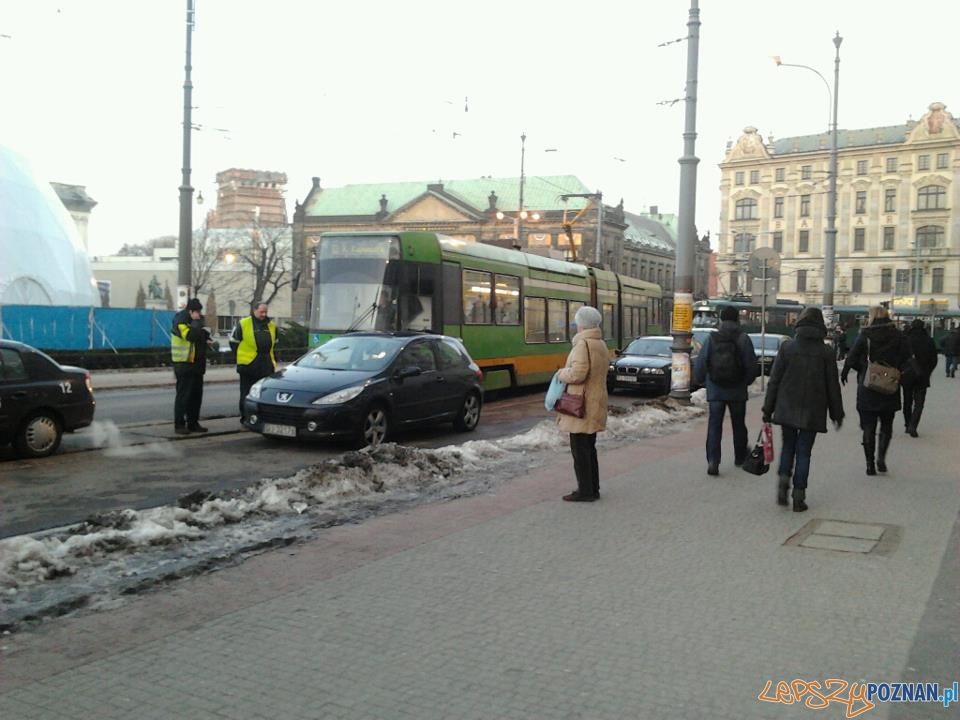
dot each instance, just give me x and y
(673, 597)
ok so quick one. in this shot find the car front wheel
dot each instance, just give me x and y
(374, 427)
(469, 415)
(39, 436)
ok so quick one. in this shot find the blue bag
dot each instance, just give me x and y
(554, 392)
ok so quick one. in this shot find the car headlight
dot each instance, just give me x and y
(255, 389)
(655, 371)
(613, 367)
(340, 396)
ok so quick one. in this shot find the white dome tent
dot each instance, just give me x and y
(42, 261)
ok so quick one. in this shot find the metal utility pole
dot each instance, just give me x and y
(523, 150)
(830, 249)
(185, 238)
(682, 329)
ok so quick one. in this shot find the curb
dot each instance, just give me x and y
(154, 385)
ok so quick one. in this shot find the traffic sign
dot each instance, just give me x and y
(772, 258)
(761, 296)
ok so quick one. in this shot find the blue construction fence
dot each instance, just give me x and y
(85, 328)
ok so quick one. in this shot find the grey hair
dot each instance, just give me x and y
(588, 317)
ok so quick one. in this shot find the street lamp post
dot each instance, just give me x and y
(521, 214)
(830, 236)
(184, 270)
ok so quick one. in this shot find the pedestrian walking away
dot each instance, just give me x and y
(727, 365)
(880, 342)
(585, 373)
(914, 383)
(804, 387)
(253, 340)
(188, 351)
(840, 343)
(950, 345)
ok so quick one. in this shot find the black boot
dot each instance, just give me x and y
(799, 498)
(783, 487)
(883, 445)
(869, 449)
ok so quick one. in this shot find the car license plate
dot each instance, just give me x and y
(281, 430)
(627, 378)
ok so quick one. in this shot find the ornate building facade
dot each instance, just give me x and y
(898, 212)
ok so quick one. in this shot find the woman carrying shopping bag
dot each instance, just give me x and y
(803, 388)
(585, 376)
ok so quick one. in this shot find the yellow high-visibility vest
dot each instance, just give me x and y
(181, 349)
(247, 349)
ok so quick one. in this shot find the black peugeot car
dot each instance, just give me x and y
(40, 400)
(364, 386)
(646, 364)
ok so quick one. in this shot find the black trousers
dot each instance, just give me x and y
(186, 406)
(583, 446)
(914, 397)
(246, 382)
(868, 422)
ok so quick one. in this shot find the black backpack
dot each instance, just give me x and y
(725, 367)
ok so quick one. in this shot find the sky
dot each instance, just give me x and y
(373, 91)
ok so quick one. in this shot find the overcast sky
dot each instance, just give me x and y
(367, 91)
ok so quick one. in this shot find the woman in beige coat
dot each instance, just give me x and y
(586, 374)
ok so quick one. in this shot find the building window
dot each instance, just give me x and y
(804, 206)
(476, 298)
(890, 200)
(734, 282)
(778, 207)
(886, 275)
(861, 206)
(535, 319)
(856, 282)
(803, 244)
(903, 279)
(931, 197)
(891, 165)
(754, 177)
(746, 209)
(738, 178)
(929, 236)
(861, 167)
(780, 173)
(778, 241)
(859, 235)
(888, 238)
(937, 286)
(923, 162)
(507, 294)
(743, 243)
(806, 172)
(801, 280)
(942, 160)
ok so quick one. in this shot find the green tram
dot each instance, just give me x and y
(512, 309)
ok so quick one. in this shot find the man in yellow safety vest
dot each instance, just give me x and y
(253, 339)
(188, 351)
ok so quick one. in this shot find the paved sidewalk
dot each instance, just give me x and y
(155, 377)
(675, 596)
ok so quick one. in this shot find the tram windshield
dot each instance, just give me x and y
(356, 283)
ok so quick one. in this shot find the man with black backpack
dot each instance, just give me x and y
(727, 365)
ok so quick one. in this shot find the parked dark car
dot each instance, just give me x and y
(365, 386)
(40, 400)
(646, 364)
(768, 353)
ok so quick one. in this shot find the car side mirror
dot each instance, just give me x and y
(407, 372)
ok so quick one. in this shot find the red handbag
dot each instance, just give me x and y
(575, 405)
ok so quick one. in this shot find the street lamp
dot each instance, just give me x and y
(830, 237)
(185, 250)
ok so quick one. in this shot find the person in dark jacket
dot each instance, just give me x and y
(188, 351)
(840, 343)
(950, 344)
(804, 388)
(253, 340)
(728, 346)
(917, 379)
(879, 342)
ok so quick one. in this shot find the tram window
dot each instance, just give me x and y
(609, 313)
(557, 320)
(535, 319)
(452, 307)
(476, 298)
(508, 300)
(574, 306)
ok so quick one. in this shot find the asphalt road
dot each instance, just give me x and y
(146, 405)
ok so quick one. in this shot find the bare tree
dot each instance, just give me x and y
(267, 253)
(208, 251)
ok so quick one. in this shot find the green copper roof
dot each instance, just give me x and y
(540, 193)
(658, 232)
(890, 135)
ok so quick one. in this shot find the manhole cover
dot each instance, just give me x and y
(845, 536)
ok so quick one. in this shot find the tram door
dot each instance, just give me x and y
(419, 301)
(452, 296)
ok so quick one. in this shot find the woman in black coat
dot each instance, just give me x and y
(879, 342)
(916, 381)
(803, 388)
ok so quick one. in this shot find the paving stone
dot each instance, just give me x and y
(851, 530)
(844, 544)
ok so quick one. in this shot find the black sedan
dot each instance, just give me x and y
(645, 364)
(365, 386)
(40, 400)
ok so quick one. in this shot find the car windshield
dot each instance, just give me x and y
(769, 343)
(364, 353)
(645, 346)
